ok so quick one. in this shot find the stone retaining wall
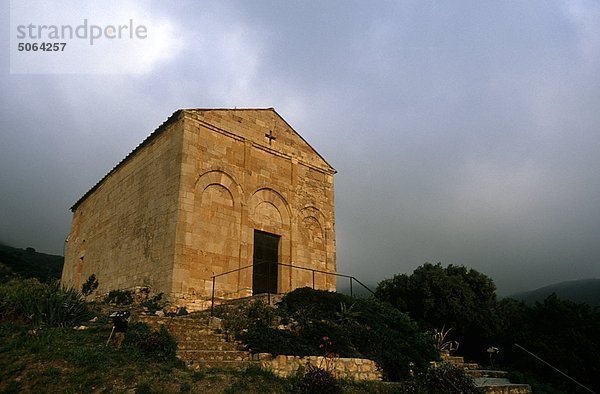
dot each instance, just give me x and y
(349, 368)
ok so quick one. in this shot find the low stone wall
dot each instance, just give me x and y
(349, 368)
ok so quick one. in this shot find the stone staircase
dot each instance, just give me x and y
(491, 381)
(199, 346)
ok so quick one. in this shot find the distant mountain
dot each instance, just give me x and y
(28, 263)
(581, 291)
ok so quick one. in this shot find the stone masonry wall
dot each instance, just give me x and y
(236, 180)
(124, 232)
(349, 368)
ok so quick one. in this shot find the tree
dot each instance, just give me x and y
(561, 332)
(452, 297)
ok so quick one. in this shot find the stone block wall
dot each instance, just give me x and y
(123, 229)
(348, 368)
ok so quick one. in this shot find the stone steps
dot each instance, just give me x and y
(238, 365)
(491, 381)
(486, 373)
(501, 386)
(199, 346)
(200, 336)
(207, 344)
(176, 322)
(454, 360)
(213, 355)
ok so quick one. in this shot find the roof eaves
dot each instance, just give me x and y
(174, 117)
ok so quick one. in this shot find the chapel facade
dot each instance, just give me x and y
(230, 192)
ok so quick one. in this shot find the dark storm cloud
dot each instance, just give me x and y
(463, 132)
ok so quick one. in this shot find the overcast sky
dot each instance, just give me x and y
(463, 132)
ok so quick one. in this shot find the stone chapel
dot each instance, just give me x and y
(236, 192)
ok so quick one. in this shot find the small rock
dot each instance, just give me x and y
(215, 323)
(172, 310)
(159, 313)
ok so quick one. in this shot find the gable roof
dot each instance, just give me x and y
(175, 117)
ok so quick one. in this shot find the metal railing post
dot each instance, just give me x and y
(212, 298)
(351, 295)
(313, 272)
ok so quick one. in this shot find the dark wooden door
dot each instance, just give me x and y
(266, 257)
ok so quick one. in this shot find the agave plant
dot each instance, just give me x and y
(441, 344)
(49, 304)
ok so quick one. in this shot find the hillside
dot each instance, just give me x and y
(79, 361)
(51, 340)
(28, 263)
(586, 291)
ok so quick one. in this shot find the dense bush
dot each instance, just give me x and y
(355, 327)
(563, 333)
(239, 317)
(317, 380)
(119, 297)
(158, 345)
(155, 303)
(49, 304)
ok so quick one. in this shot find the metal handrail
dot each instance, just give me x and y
(352, 278)
(553, 367)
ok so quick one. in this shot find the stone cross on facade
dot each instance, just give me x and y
(270, 136)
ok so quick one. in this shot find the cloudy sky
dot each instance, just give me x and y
(463, 132)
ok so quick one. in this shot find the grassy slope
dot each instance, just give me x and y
(29, 263)
(70, 361)
(65, 360)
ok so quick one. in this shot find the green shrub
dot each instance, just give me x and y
(360, 328)
(245, 315)
(154, 303)
(318, 380)
(182, 311)
(447, 378)
(90, 285)
(263, 339)
(11, 294)
(48, 304)
(158, 345)
(119, 297)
